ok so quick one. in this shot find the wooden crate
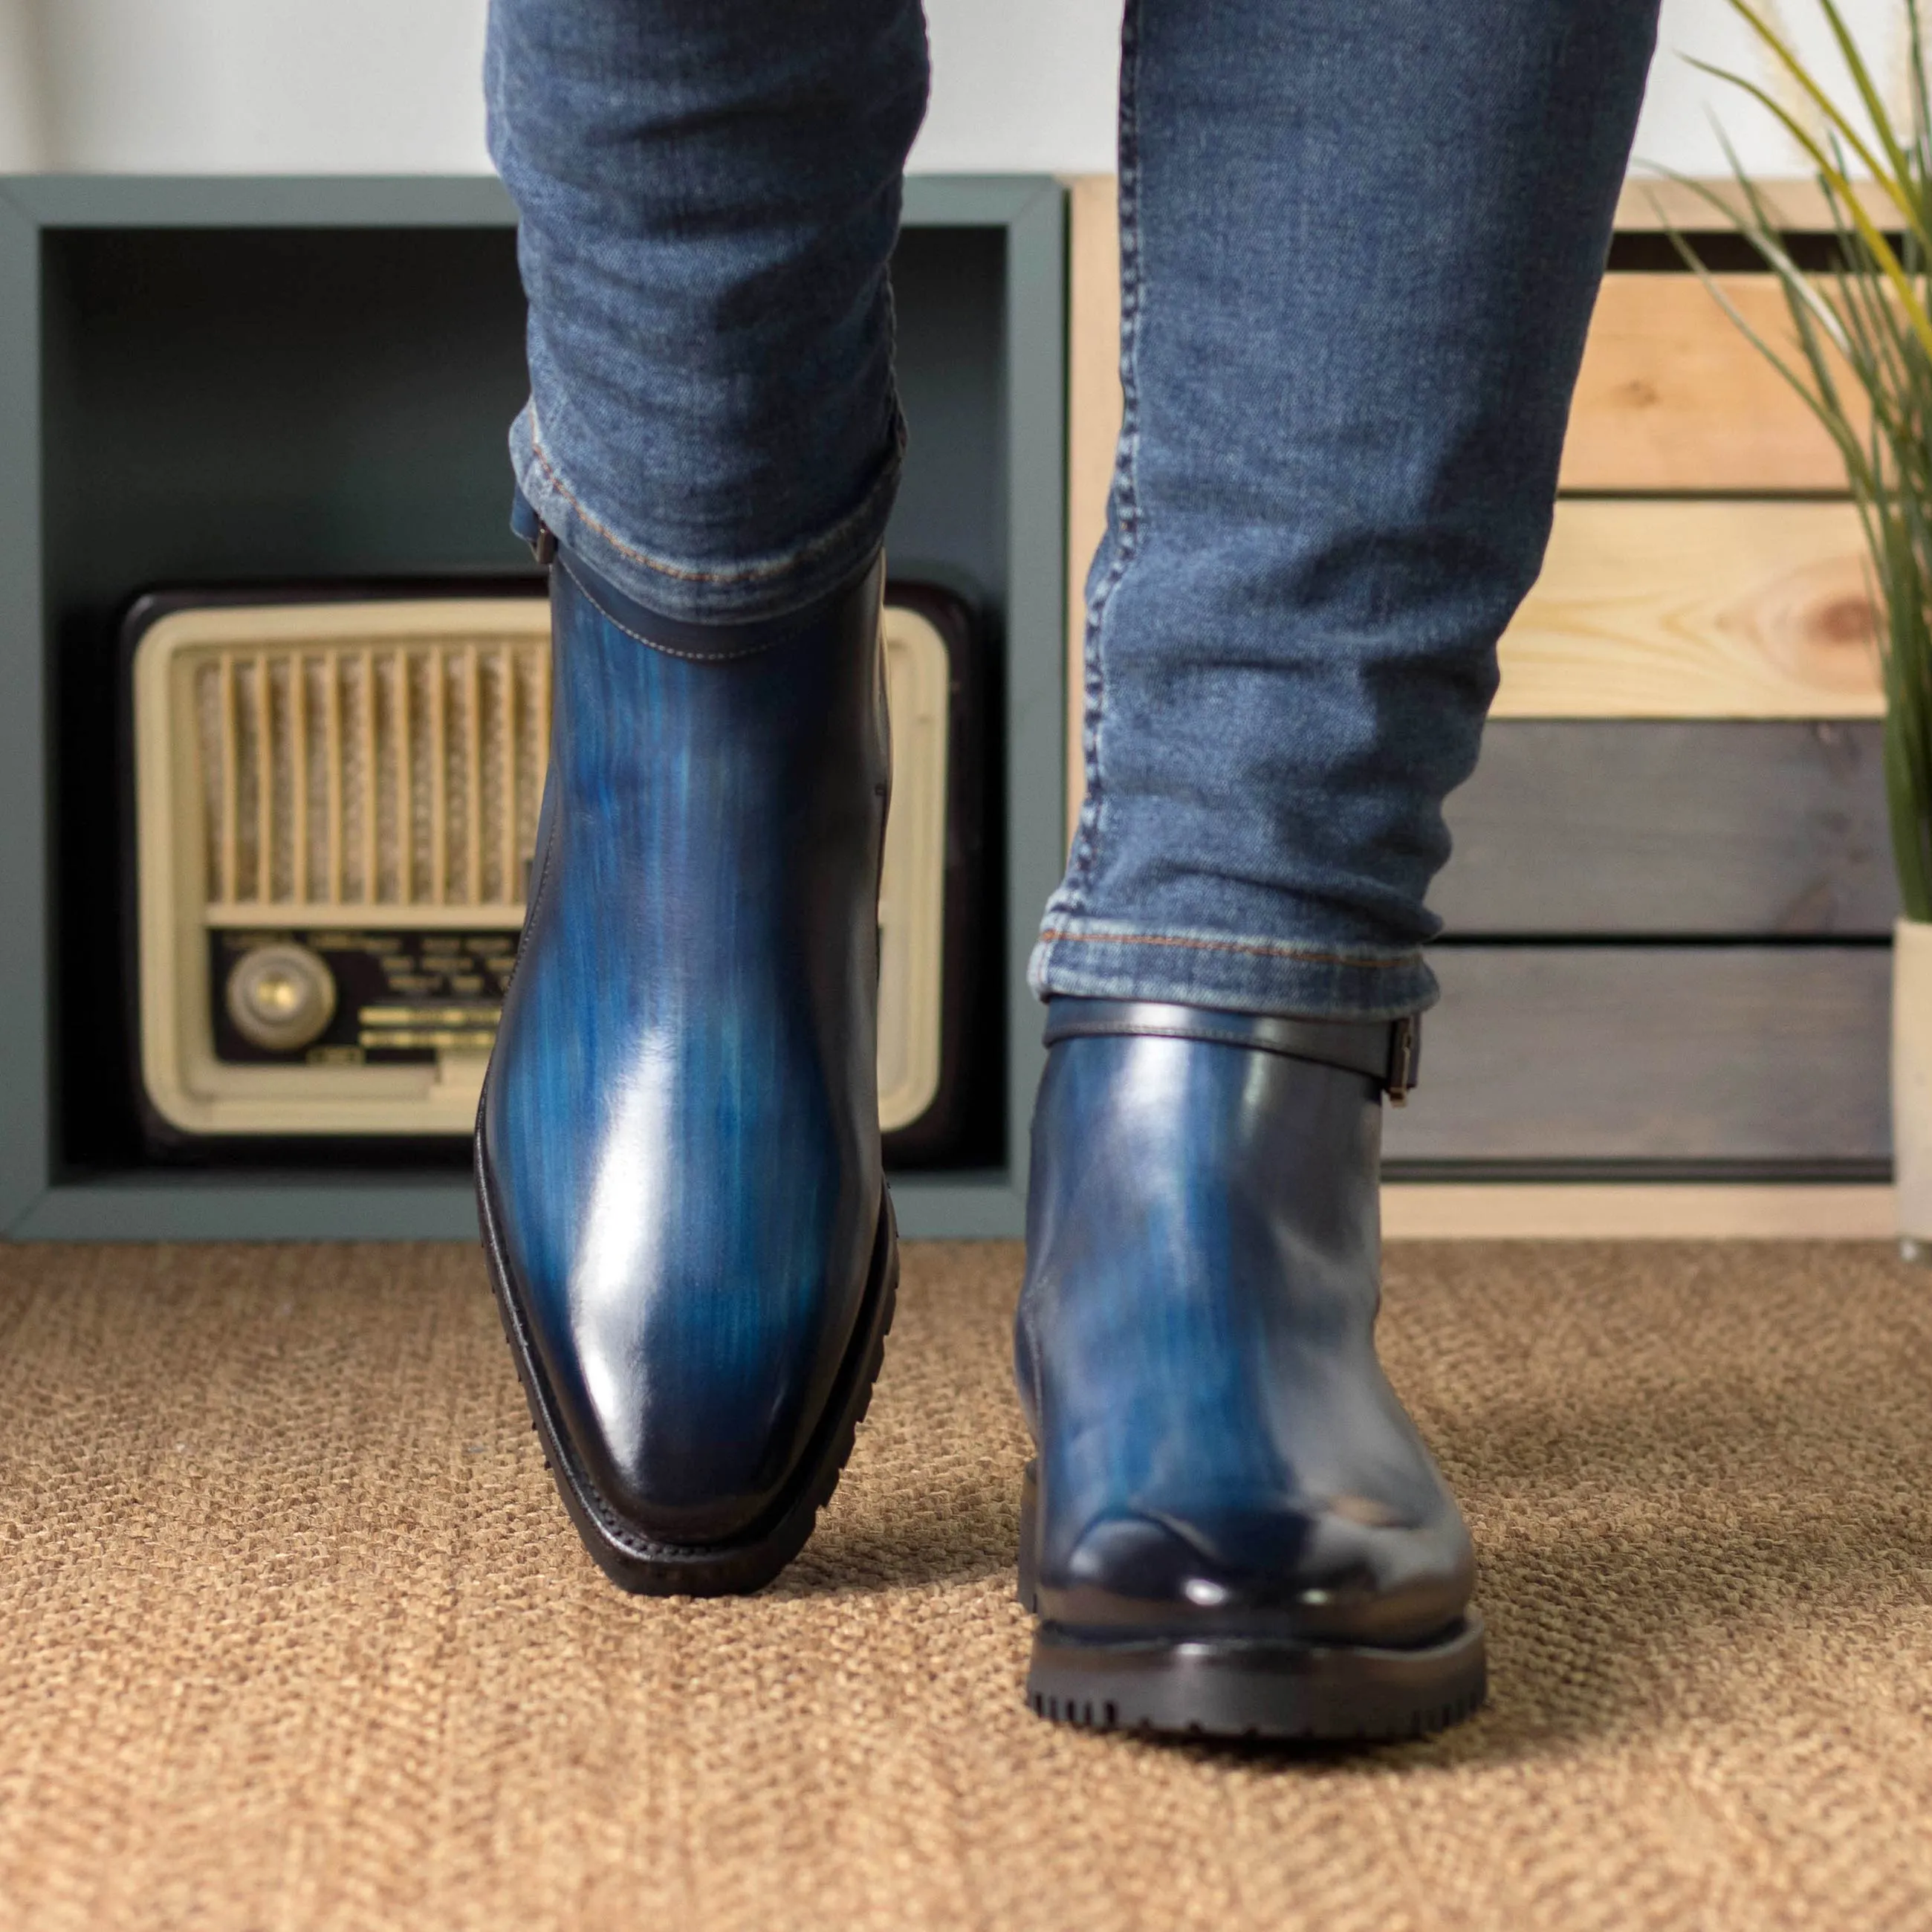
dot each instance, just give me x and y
(1665, 960)
(1692, 606)
(1670, 397)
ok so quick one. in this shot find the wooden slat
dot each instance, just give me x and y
(1092, 426)
(1719, 609)
(1798, 205)
(1624, 829)
(1658, 1054)
(1678, 1210)
(1671, 396)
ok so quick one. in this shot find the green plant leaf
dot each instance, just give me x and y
(1787, 57)
(1881, 250)
(1869, 337)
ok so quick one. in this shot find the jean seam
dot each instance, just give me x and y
(1253, 948)
(828, 541)
(1083, 861)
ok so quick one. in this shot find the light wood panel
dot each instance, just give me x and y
(1795, 205)
(1714, 609)
(1690, 610)
(1671, 396)
(1710, 829)
(1776, 1057)
(1623, 1211)
(1092, 426)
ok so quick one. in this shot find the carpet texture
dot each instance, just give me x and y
(293, 1632)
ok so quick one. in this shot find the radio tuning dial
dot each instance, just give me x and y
(281, 996)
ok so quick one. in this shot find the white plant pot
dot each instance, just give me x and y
(1911, 1084)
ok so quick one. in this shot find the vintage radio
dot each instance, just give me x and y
(335, 809)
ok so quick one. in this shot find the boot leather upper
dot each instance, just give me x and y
(679, 1139)
(1220, 1453)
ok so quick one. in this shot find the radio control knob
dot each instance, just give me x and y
(281, 996)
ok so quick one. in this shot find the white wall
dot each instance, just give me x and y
(375, 85)
(23, 127)
(291, 86)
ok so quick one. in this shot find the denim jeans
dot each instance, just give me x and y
(1359, 243)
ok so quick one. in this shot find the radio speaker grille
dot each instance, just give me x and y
(357, 785)
(372, 775)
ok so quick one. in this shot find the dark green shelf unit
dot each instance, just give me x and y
(178, 401)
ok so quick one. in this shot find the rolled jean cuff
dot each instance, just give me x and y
(742, 591)
(1105, 960)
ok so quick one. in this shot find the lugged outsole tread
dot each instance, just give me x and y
(1085, 1714)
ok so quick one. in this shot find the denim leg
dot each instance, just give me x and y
(709, 198)
(1359, 243)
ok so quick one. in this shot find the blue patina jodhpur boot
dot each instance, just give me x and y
(1232, 1526)
(677, 1154)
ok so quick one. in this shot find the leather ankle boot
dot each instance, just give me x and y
(677, 1154)
(1232, 1526)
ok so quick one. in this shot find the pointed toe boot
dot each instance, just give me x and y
(1232, 1527)
(677, 1152)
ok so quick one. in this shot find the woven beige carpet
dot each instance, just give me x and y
(293, 1632)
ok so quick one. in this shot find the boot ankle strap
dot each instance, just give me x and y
(1387, 1051)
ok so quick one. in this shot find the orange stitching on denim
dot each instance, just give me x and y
(1261, 949)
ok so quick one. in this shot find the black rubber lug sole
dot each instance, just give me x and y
(646, 1567)
(1248, 1688)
